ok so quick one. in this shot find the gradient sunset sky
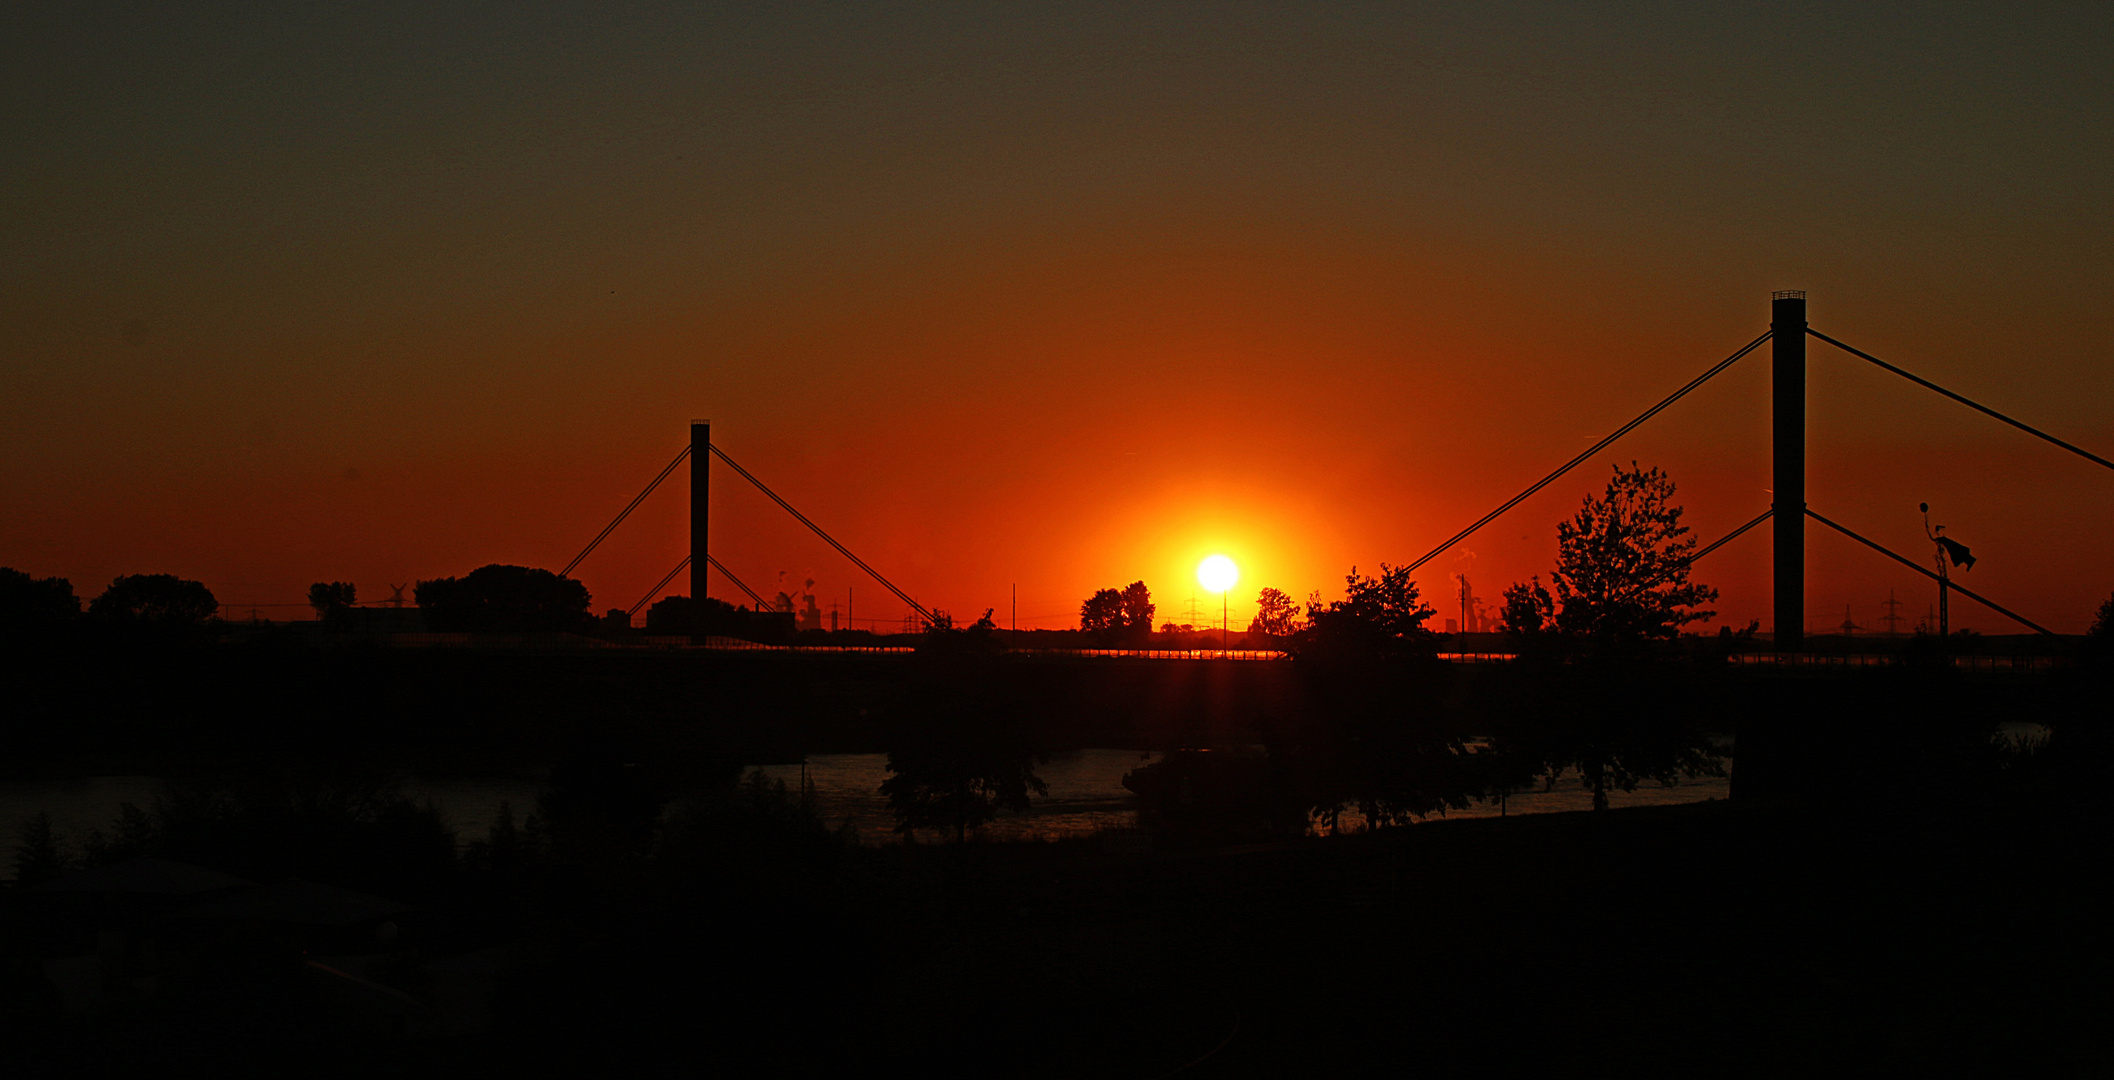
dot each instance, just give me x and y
(1057, 295)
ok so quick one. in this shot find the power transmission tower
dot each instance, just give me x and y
(1892, 618)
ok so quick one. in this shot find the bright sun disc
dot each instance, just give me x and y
(1217, 573)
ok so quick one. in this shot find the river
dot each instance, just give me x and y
(1086, 796)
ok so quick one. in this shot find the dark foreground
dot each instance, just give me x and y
(1717, 937)
(1887, 889)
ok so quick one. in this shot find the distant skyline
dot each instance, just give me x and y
(1062, 297)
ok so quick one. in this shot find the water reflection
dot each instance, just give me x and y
(1087, 795)
(81, 805)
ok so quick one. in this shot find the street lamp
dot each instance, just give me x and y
(1218, 574)
(1957, 552)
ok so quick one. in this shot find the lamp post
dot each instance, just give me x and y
(1218, 574)
(1949, 550)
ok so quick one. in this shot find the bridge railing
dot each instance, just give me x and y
(1965, 661)
(1160, 654)
(1981, 662)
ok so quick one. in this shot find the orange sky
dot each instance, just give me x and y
(1052, 299)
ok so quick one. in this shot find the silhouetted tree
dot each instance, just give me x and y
(1118, 616)
(1275, 614)
(1382, 612)
(1102, 612)
(322, 824)
(1217, 795)
(757, 824)
(333, 601)
(600, 811)
(498, 599)
(683, 614)
(505, 849)
(1615, 713)
(1137, 611)
(979, 638)
(37, 855)
(1529, 609)
(329, 596)
(1373, 738)
(958, 751)
(155, 600)
(709, 615)
(34, 606)
(2098, 651)
(1622, 563)
(1618, 720)
(958, 776)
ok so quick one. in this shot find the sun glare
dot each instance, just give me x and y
(1217, 573)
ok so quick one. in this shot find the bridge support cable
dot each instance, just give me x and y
(760, 605)
(1698, 556)
(1729, 537)
(624, 513)
(1975, 405)
(1594, 449)
(655, 591)
(827, 538)
(1954, 586)
(679, 568)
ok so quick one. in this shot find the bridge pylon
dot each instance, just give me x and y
(700, 504)
(1787, 382)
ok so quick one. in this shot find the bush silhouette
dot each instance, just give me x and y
(155, 600)
(497, 599)
(32, 607)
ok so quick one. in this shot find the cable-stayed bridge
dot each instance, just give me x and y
(1787, 338)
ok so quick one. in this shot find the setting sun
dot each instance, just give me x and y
(1217, 574)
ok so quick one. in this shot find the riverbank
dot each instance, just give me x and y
(1709, 937)
(1696, 938)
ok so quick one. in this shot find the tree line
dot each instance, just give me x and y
(34, 608)
(490, 599)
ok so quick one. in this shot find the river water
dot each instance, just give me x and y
(1086, 796)
(86, 804)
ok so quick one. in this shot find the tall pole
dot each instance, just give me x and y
(1787, 381)
(700, 505)
(1945, 620)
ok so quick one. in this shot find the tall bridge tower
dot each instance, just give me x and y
(700, 503)
(1787, 383)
